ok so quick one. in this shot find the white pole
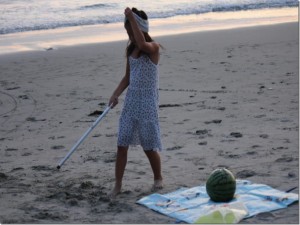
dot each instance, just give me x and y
(83, 137)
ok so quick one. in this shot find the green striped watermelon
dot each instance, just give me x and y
(221, 185)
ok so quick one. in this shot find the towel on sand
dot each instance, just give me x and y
(193, 205)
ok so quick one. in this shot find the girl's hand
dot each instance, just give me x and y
(128, 14)
(113, 101)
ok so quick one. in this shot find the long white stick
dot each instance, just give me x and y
(84, 136)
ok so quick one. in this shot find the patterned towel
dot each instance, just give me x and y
(193, 205)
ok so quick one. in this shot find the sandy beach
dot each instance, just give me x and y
(228, 98)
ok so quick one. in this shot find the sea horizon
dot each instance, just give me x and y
(51, 39)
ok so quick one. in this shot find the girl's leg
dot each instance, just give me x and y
(121, 162)
(154, 159)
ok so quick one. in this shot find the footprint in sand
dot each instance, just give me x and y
(245, 174)
(264, 136)
(45, 215)
(43, 168)
(3, 177)
(11, 149)
(174, 148)
(213, 121)
(169, 105)
(236, 134)
(252, 153)
(87, 185)
(203, 133)
(233, 156)
(17, 169)
(61, 195)
(280, 148)
(96, 113)
(110, 158)
(292, 175)
(255, 146)
(202, 143)
(72, 202)
(24, 97)
(26, 154)
(284, 159)
(57, 147)
(220, 108)
(33, 119)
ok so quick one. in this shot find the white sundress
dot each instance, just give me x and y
(139, 124)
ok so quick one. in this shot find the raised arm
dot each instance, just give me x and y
(148, 47)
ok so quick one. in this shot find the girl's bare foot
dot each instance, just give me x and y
(117, 189)
(158, 184)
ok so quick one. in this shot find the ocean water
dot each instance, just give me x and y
(30, 15)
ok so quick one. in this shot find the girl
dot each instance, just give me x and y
(138, 122)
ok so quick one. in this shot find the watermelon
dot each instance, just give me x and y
(221, 185)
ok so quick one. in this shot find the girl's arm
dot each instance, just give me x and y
(121, 87)
(148, 47)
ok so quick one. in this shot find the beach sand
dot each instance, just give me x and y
(228, 98)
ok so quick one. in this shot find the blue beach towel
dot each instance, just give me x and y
(193, 205)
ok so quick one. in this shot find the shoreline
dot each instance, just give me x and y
(103, 33)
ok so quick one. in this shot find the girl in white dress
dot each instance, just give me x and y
(138, 122)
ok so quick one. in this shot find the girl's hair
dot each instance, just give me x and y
(130, 45)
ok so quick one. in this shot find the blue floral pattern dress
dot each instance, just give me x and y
(139, 124)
